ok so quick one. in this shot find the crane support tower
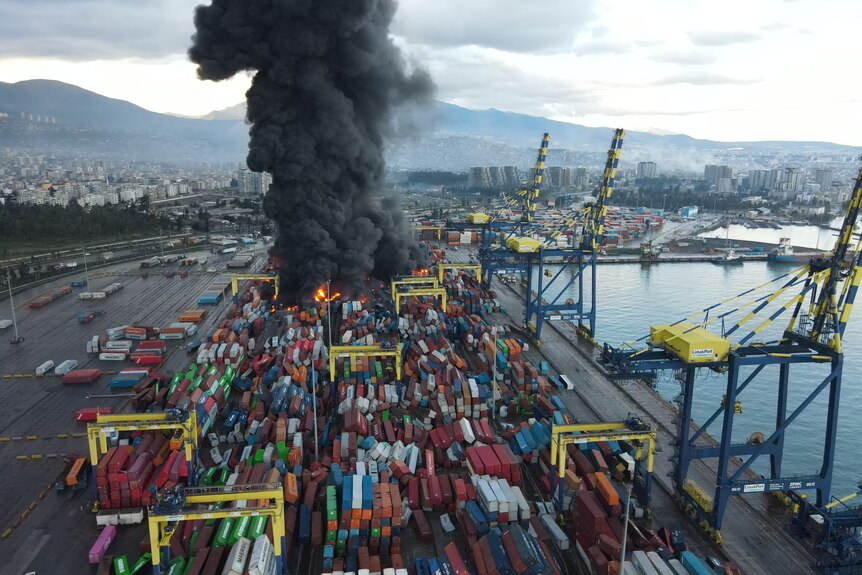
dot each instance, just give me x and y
(558, 298)
(819, 298)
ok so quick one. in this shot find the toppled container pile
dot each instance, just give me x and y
(398, 461)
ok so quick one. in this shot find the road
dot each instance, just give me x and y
(34, 411)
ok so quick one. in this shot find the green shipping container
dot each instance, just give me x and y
(239, 529)
(258, 527)
(223, 533)
(177, 566)
(121, 566)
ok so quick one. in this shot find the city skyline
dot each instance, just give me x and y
(673, 67)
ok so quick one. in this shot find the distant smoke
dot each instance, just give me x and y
(327, 77)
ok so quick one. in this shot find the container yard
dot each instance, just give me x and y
(415, 468)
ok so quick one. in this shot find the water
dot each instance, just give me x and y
(633, 297)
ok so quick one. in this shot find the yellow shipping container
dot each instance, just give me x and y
(478, 218)
(690, 342)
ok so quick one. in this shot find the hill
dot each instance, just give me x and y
(50, 116)
(54, 116)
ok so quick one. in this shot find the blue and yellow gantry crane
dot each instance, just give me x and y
(494, 230)
(819, 299)
(493, 253)
(552, 299)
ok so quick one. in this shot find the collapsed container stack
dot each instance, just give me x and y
(46, 298)
(129, 475)
(396, 457)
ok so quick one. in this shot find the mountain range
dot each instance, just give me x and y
(54, 117)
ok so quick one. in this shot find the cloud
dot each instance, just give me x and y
(601, 46)
(80, 30)
(701, 78)
(622, 112)
(513, 27)
(683, 57)
(722, 37)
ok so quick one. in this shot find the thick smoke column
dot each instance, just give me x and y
(327, 76)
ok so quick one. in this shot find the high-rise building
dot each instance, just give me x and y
(494, 177)
(581, 178)
(824, 178)
(646, 170)
(726, 186)
(479, 178)
(791, 180)
(759, 180)
(253, 182)
(511, 177)
(712, 173)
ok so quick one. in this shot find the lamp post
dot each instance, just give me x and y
(86, 272)
(625, 524)
(314, 404)
(494, 374)
(329, 317)
(12, 306)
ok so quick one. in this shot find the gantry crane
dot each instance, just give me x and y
(552, 299)
(493, 255)
(821, 296)
(183, 423)
(632, 430)
(265, 499)
(236, 278)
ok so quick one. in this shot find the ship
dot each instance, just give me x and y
(784, 253)
(728, 258)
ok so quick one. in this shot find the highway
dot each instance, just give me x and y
(59, 530)
(753, 533)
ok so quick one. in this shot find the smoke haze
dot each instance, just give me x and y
(326, 78)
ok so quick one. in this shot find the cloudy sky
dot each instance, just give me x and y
(729, 70)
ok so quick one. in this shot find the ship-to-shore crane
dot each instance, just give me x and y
(494, 230)
(552, 299)
(820, 299)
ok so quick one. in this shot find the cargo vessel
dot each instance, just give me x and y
(785, 254)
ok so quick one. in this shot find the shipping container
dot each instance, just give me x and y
(45, 367)
(65, 367)
(82, 376)
(693, 564)
(643, 564)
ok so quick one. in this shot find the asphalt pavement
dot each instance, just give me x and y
(43, 531)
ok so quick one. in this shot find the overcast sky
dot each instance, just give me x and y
(729, 70)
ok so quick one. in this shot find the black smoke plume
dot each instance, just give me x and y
(327, 76)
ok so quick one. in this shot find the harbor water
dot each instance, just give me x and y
(632, 297)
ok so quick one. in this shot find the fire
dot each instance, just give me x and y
(421, 272)
(320, 295)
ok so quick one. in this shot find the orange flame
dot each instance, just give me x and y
(421, 272)
(320, 295)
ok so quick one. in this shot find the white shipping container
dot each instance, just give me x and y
(171, 336)
(237, 558)
(66, 367)
(121, 344)
(45, 367)
(112, 356)
(261, 555)
(4, 323)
